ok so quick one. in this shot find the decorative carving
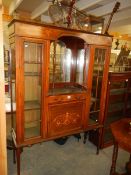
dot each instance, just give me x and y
(66, 119)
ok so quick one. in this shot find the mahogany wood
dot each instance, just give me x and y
(122, 139)
(61, 114)
(112, 114)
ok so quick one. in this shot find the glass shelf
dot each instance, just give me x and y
(32, 131)
(118, 91)
(31, 105)
(70, 90)
(92, 121)
(32, 74)
(32, 122)
(32, 62)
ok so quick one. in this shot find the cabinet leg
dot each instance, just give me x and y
(14, 158)
(85, 137)
(99, 141)
(128, 166)
(18, 152)
(114, 158)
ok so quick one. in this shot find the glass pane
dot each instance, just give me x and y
(32, 123)
(108, 136)
(32, 98)
(80, 66)
(60, 62)
(99, 62)
(68, 66)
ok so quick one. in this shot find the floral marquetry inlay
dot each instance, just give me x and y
(66, 119)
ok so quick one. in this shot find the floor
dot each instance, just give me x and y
(72, 158)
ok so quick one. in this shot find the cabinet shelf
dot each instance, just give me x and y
(32, 74)
(57, 91)
(98, 76)
(33, 122)
(98, 64)
(32, 132)
(32, 62)
(6, 62)
(32, 105)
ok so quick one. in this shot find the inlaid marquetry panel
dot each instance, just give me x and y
(65, 118)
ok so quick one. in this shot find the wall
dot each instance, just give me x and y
(121, 42)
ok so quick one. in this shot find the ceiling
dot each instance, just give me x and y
(121, 21)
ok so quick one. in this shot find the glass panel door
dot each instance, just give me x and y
(32, 88)
(98, 72)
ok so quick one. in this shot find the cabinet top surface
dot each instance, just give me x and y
(49, 26)
(121, 133)
(53, 26)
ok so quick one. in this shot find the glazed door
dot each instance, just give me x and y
(29, 89)
(99, 83)
(32, 89)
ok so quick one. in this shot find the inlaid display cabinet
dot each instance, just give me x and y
(60, 78)
(118, 105)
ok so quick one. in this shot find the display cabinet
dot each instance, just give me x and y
(118, 105)
(58, 81)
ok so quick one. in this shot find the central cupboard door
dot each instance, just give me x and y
(65, 118)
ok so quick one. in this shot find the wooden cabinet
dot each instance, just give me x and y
(60, 78)
(118, 105)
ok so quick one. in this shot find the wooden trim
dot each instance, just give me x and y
(3, 154)
(28, 29)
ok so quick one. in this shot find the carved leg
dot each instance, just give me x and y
(18, 152)
(114, 158)
(85, 137)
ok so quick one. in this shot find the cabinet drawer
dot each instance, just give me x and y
(66, 98)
